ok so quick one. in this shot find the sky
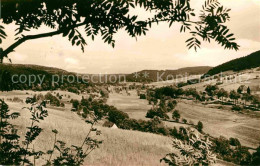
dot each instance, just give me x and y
(162, 48)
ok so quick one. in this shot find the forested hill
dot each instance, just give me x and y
(19, 76)
(154, 75)
(247, 62)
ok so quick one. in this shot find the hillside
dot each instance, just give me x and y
(247, 62)
(19, 76)
(162, 75)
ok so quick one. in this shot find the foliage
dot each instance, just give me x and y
(238, 154)
(159, 112)
(12, 153)
(142, 96)
(117, 116)
(200, 126)
(247, 62)
(222, 93)
(234, 142)
(256, 156)
(236, 108)
(211, 90)
(197, 150)
(53, 99)
(234, 95)
(176, 115)
(5, 79)
(75, 104)
(10, 73)
(73, 90)
(108, 17)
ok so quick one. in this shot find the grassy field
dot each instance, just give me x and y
(120, 147)
(217, 122)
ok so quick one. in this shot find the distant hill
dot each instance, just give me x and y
(247, 62)
(159, 75)
(22, 73)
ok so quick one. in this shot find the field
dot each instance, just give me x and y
(120, 147)
(217, 122)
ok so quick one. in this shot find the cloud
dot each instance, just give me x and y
(71, 61)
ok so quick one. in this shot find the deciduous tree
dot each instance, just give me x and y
(72, 18)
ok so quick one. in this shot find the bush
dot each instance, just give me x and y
(237, 108)
(256, 155)
(117, 116)
(190, 153)
(62, 105)
(156, 112)
(53, 99)
(142, 96)
(75, 104)
(234, 142)
(73, 90)
(200, 126)
(176, 115)
(184, 121)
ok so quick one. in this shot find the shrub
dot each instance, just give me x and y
(117, 116)
(156, 112)
(142, 96)
(62, 105)
(75, 104)
(256, 155)
(200, 126)
(234, 142)
(184, 121)
(17, 99)
(53, 99)
(73, 90)
(176, 115)
(195, 151)
(237, 108)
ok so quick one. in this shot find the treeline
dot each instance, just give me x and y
(17, 77)
(247, 62)
(162, 75)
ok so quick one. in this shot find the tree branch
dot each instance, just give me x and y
(31, 37)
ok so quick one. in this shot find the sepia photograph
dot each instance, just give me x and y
(129, 82)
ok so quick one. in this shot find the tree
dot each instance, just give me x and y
(240, 89)
(117, 116)
(108, 17)
(176, 115)
(247, 97)
(234, 95)
(159, 112)
(200, 126)
(256, 157)
(248, 90)
(222, 93)
(5, 81)
(211, 90)
(75, 104)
